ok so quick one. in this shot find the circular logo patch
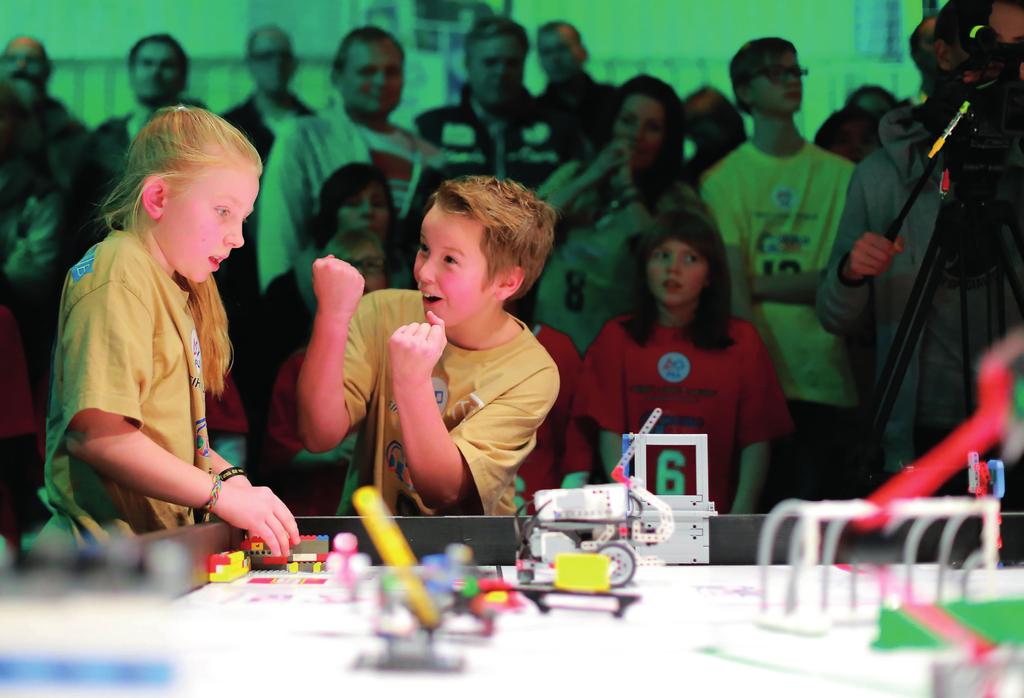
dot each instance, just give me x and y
(673, 367)
(783, 197)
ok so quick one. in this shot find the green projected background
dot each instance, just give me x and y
(844, 43)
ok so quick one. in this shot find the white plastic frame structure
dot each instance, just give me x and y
(691, 541)
(807, 549)
(679, 503)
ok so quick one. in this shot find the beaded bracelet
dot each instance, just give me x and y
(215, 492)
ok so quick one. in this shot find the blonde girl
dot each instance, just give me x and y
(142, 336)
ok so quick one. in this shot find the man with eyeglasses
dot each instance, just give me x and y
(271, 63)
(777, 199)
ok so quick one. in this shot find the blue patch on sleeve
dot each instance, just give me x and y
(84, 265)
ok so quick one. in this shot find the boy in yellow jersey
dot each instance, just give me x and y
(445, 388)
(777, 200)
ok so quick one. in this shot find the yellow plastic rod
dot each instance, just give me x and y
(395, 552)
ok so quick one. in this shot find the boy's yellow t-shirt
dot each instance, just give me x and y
(126, 344)
(782, 215)
(492, 402)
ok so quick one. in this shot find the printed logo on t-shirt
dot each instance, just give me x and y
(197, 355)
(84, 265)
(673, 367)
(782, 243)
(394, 456)
(440, 392)
(783, 197)
(458, 135)
(467, 406)
(202, 440)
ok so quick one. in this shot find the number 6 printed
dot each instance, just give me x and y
(670, 477)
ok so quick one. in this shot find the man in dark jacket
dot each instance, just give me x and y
(570, 89)
(498, 128)
(271, 62)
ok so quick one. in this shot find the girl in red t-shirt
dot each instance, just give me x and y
(681, 351)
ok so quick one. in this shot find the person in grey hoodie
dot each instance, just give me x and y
(868, 275)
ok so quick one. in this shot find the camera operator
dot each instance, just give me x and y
(870, 275)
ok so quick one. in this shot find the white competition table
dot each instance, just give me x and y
(693, 630)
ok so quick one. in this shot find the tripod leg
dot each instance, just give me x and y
(919, 303)
(1005, 216)
(965, 330)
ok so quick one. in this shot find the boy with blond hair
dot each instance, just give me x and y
(445, 388)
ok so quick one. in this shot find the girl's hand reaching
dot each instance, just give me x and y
(258, 511)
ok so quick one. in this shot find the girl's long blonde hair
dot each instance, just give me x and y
(176, 145)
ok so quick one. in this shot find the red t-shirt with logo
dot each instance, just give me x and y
(731, 394)
(561, 449)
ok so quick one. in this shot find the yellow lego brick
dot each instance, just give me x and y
(318, 567)
(293, 567)
(582, 572)
(239, 567)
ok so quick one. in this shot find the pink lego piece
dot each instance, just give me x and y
(340, 561)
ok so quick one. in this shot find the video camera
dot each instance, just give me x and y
(989, 79)
(999, 93)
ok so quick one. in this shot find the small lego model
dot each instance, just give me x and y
(454, 582)
(227, 566)
(606, 519)
(310, 555)
(985, 477)
(346, 563)
(410, 648)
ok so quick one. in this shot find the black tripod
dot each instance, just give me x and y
(969, 224)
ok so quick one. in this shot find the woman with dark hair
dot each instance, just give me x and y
(682, 351)
(357, 197)
(606, 203)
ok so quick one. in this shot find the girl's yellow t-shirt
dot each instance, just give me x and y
(126, 344)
